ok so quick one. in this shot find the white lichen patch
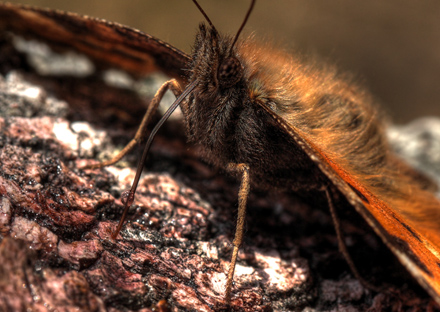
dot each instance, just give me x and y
(79, 136)
(48, 62)
(275, 275)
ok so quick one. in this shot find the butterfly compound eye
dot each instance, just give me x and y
(230, 72)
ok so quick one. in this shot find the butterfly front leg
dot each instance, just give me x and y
(172, 85)
(243, 194)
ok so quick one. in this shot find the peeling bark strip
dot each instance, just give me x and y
(56, 220)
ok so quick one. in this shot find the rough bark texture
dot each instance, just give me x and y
(56, 220)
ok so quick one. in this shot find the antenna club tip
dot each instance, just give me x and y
(116, 232)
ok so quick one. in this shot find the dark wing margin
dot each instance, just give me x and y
(413, 250)
(106, 43)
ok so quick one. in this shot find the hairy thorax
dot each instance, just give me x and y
(230, 123)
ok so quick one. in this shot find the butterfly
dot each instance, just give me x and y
(278, 122)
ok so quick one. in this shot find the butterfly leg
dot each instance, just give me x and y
(243, 194)
(172, 85)
(343, 247)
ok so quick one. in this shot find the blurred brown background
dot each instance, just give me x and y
(392, 46)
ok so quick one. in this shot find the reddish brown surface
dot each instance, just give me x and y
(56, 252)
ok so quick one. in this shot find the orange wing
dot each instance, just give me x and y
(416, 248)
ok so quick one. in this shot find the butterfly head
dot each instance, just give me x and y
(214, 60)
(214, 56)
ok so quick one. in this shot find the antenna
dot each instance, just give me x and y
(251, 7)
(243, 24)
(204, 14)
